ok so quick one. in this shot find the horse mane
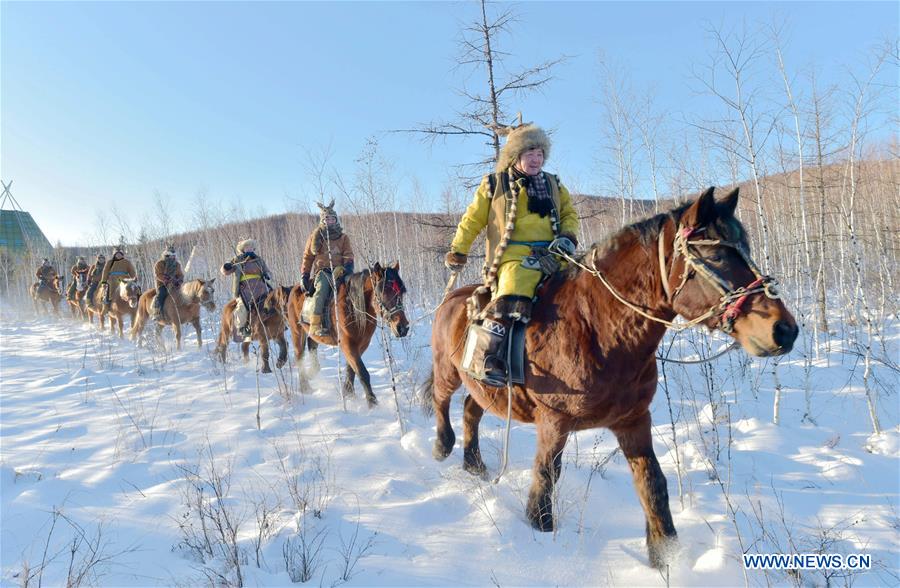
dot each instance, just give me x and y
(356, 296)
(646, 231)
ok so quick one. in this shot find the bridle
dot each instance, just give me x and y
(731, 300)
(388, 313)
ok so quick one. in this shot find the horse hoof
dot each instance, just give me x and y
(373, 402)
(475, 466)
(661, 552)
(280, 364)
(541, 517)
(439, 452)
(266, 369)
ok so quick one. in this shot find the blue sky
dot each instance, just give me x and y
(105, 103)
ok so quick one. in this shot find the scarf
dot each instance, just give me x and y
(539, 200)
(322, 232)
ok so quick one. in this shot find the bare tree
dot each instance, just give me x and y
(487, 107)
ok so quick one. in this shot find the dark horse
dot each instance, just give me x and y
(266, 324)
(362, 298)
(47, 295)
(592, 360)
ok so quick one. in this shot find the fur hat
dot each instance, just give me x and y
(519, 140)
(326, 211)
(100, 255)
(119, 249)
(169, 251)
(245, 245)
(81, 259)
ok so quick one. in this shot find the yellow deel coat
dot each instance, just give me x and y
(487, 211)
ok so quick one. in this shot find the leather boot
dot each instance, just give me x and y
(315, 326)
(496, 368)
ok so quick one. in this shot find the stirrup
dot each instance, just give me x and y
(482, 353)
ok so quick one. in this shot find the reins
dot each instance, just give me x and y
(731, 300)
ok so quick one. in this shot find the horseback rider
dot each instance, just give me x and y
(94, 274)
(251, 282)
(169, 277)
(46, 275)
(79, 269)
(329, 258)
(530, 219)
(115, 270)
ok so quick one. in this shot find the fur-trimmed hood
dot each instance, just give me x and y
(245, 245)
(520, 140)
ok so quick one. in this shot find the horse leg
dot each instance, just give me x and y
(551, 440)
(472, 413)
(356, 362)
(443, 385)
(177, 326)
(196, 323)
(636, 442)
(245, 351)
(312, 346)
(121, 323)
(298, 338)
(264, 352)
(282, 351)
(349, 379)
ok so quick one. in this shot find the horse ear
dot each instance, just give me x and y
(211, 281)
(377, 268)
(727, 205)
(702, 212)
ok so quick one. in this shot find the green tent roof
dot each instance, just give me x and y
(19, 232)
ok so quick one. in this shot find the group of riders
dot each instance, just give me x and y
(531, 228)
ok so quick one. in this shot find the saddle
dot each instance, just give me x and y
(309, 305)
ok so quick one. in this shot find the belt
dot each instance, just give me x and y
(118, 273)
(246, 277)
(531, 243)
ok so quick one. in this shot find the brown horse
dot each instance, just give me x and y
(47, 295)
(78, 305)
(361, 298)
(267, 323)
(123, 301)
(591, 358)
(180, 308)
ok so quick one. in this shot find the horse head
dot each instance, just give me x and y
(206, 294)
(130, 291)
(389, 290)
(713, 274)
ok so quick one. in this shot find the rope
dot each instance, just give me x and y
(635, 308)
(509, 390)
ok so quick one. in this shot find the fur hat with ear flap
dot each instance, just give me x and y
(169, 251)
(326, 210)
(519, 140)
(245, 246)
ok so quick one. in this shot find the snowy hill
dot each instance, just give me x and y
(128, 466)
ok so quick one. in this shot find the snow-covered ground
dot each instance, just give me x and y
(122, 466)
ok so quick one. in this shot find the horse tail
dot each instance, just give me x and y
(425, 395)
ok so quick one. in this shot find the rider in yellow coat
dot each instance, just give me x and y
(528, 213)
